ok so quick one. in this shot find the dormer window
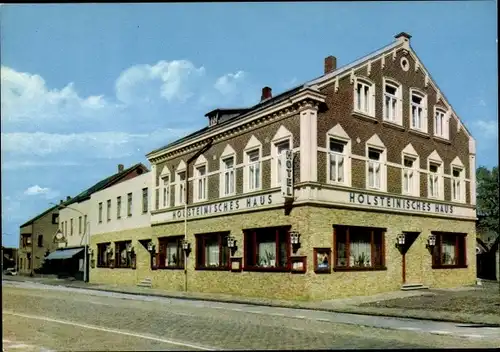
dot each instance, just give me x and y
(212, 120)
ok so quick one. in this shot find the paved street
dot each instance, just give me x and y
(40, 317)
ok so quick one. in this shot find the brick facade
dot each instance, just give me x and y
(317, 206)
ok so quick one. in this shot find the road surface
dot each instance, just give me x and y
(40, 317)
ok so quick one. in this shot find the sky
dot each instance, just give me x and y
(85, 87)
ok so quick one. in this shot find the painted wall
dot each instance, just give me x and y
(138, 219)
(74, 211)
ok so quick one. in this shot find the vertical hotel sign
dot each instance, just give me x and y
(286, 161)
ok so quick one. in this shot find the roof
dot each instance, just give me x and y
(104, 184)
(29, 222)
(259, 106)
(227, 110)
(311, 83)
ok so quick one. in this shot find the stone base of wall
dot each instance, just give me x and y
(315, 226)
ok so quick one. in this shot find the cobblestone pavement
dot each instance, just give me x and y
(60, 318)
(479, 300)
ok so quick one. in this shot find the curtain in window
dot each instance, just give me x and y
(212, 253)
(448, 251)
(172, 258)
(267, 254)
(360, 250)
(123, 257)
(336, 167)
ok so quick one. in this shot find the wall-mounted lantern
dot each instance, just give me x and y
(231, 244)
(400, 241)
(151, 247)
(295, 240)
(90, 252)
(186, 246)
(431, 242)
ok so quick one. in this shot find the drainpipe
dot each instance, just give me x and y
(186, 199)
(32, 248)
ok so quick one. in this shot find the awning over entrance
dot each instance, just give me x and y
(64, 253)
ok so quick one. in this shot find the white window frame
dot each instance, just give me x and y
(331, 154)
(444, 117)
(423, 116)
(180, 187)
(411, 153)
(414, 190)
(278, 140)
(375, 143)
(338, 133)
(457, 164)
(252, 184)
(398, 118)
(165, 188)
(436, 177)
(369, 164)
(222, 175)
(200, 180)
(370, 111)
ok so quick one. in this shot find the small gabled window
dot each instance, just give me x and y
(201, 183)
(457, 185)
(409, 176)
(374, 168)
(337, 161)
(434, 189)
(228, 176)
(253, 170)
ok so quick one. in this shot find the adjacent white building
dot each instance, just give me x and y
(123, 206)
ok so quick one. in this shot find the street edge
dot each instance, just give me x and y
(264, 304)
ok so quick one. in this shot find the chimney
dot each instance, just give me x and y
(266, 93)
(120, 167)
(330, 64)
(403, 36)
(68, 198)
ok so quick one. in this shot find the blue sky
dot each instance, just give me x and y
(86, 86)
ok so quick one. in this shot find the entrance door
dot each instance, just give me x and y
(411, 266)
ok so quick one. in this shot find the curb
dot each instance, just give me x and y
(264, 304)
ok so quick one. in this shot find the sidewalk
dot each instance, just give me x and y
(391, 304)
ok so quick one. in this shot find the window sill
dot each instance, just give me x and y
(419, 133)
(449, 267)
(364, 116)
(170, 268)
(394, 125)
(442, 139)
(380, 268)
(123, 267)
(218, 268)
(323, 271)
(269, 270)
(103, 267)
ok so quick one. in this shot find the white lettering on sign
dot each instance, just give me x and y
(399, 203)
(286, 158)
(223, 207)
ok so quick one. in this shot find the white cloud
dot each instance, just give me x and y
(486, 128)
(37, 190)
(174, 80)
(26, 97)
(93, 144)
(228, 84)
